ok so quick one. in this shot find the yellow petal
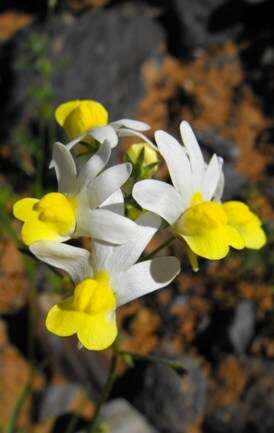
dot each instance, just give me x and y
(211, 244)
(95, 332)
(204, 228)
(246, 223)
(99, 331)
(79, 116)
(23, 208)
(35, 230)
(63, 110)
(62, 320)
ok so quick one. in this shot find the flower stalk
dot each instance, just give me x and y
(111, 377)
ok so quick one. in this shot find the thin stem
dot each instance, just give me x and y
(160, 247)
(12, 423)
(175, 365)
(105, 392)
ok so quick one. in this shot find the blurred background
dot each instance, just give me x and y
(210, 62)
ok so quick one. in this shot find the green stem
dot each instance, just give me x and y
(105, 392)
(12, 423)
(175, 365)
(160, 247)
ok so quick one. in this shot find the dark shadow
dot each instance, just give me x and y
(257, 39)
(38, 8)
(64, 421)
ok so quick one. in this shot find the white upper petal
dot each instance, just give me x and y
(125, 132)
(211, 178)
(160, 198)
(221, 184)
(69, 146)
(145, 277)
(75, 261)
(65, 168)
(131, 124)
(194, 153)
(105, 225)
(115, 203)
(94, 165)
(177, 162)
(103, 133)
(118, 258)
(109, 181)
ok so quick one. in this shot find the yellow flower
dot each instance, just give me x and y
(192, 206)
(77, 117)
(81, 207)
(105, 279)
(89, 313)
(144, 160)
(50, 218)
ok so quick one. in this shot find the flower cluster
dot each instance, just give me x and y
(121, 208)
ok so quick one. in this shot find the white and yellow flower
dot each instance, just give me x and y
(192, 205)
(87, 120)
(86, 202)
(105, 279)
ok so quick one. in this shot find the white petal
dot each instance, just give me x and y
(73, 260)
(145, 277)
(69, 146)
(177, 162)
(115, 203)
(160, 198)
(131, 124)
(103, 133)
(109, 181)
(65, 168)
(121, 257)
(105, 225)
(194, 152)
(211, 178)
(124, 132)
(94, 165)
(221, 184)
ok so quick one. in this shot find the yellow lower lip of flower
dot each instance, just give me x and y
(89, 313)
(50, 218)
(205, 229)
(246, 222)
(78, 116)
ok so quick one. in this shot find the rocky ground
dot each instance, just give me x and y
(210, 62)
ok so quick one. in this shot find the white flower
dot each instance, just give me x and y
(105, 279)
(190, 205)
(87, 203)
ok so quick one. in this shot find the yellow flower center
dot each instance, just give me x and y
(78, 116)
(50, 218)
(94, 295)
(204, 227)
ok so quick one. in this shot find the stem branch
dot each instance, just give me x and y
(160, 247)
(175, 365)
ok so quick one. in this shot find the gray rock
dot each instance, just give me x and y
(234, 181)
(56, 400)
(97, 55)
(194, 20)
(171, 402)
(216, 144)
(259, 399)
(242, 327)
(225, 420)
(122, 417)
